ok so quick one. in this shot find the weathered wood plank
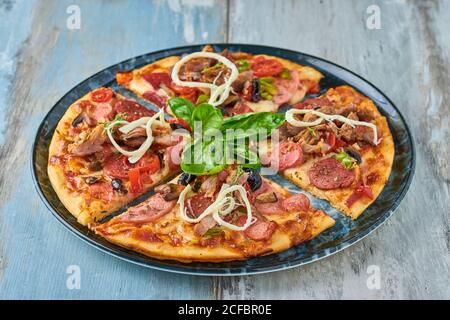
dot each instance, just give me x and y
(408, 59)
(46, 60)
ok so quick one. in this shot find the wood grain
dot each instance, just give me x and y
(408, 59)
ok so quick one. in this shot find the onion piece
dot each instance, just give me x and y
(327, 117)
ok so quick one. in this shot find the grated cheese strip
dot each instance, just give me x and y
(218, 93)
(223, 205)
(145, 122)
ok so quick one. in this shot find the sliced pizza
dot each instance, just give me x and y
(236, 82)
(233, 215)
(106, 151)
(339, 148)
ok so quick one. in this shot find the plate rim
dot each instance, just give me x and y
(155, 263)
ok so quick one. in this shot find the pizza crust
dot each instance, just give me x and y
(126, 235)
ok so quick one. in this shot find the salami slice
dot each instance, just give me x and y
(330, 174)
(290, 155)
(198, 204)
(101, 190)
(261, 230)
(149, 211)
(117, 166)
(132, 110)
(297, 202)
(269, 207)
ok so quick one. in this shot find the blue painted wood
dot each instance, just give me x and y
(40, 60)
(408, 58)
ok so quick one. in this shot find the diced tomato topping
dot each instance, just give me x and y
(360, 192)
(263, 67)
(135, 179)
(102, 95)
(149, 164)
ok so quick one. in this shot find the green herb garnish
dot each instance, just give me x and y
(213, 232)
(268, 88)
(285, 74)
(243, 65)
(202, 98)
(312, 132)
(211, 154)
(345, 159)
(118, 118)
(218, 65)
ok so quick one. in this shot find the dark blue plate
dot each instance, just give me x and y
(345, 233)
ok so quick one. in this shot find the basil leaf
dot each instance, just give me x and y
(202, 157)
(210, 117)
(182, 109)
(246, 157)
(253, 122)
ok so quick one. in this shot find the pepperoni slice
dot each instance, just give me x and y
(132, 110)
(330, 174)
(261, 230)
(155, 98)
(198, 204)
(158, 78)
(117, 166)
(101, 190)
(290, 155)
(263, 67)
(102, 95)
(297, 202)
(149, 211)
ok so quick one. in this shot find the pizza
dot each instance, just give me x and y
(108, 150)
(233, 215)
(88, 173)
(339, 148)
(257, 83)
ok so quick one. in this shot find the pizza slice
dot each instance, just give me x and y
(96, 166)
(237, 82)
(339, 148)
(233, 215)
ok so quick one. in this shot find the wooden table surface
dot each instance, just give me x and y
(408, 58)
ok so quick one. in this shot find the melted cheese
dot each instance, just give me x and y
(218, 93)
(222, 206)
(290, 117)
